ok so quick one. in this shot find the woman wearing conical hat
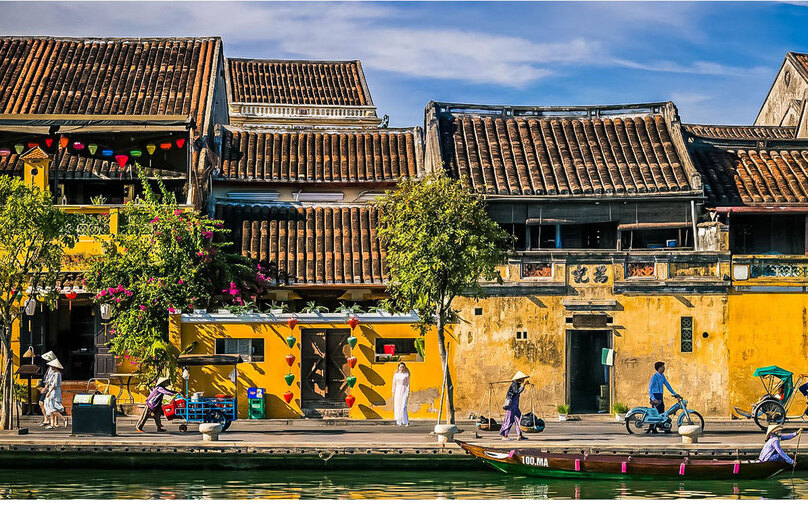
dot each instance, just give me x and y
(771, 449)
(512, 413)
(53, 395)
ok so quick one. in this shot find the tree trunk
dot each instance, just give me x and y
(6, 382)
(450, 411)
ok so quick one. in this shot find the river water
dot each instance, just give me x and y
(364, 484)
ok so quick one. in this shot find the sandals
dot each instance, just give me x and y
(50, 427)
(44, 423)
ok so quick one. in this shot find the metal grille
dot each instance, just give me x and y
(687, 334)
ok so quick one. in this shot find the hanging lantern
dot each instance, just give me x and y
(49, 141)
(349, 400)
(135, 153)
(288, 396)
(5, 152)
(93, 148)
(78, 146)
(352, 341)
(18, 148)
(353, 322)
(106, 311)
(30, 306)
(107, 152)
(351, 380)
(71, 295)
(289, 378)
(180, 143)
(122, 159)
(165, 146)
(63, 142)
(352, 361)
(33, 144)
(290, 359)
(292, 322)
(290, 341)
(151, 148)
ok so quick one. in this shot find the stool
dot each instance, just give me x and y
(690, 433)
(210, 431)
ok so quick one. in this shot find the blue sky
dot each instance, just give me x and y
(716, 60)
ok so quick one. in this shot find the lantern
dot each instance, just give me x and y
(49, 141)
(30, 306)
(180, 143)
(33, 144)
(292, 322)
(349, 400)
(107, 152)
(290, 341)
(353, 322)
(106, 311)
(93, 148)
(352, 361)
(290, 359)
(63, 141)
(289, 378)
(351, 380)
(136, 153)
(352, 341)
(288, 396)
(78, 146)
(18, 148)
(165, 146)
(151, 148)
(122, 159)
(71, 295)
(5, 152)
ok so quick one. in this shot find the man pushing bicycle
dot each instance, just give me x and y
(655, 391)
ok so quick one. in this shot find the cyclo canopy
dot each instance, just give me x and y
(785, 376)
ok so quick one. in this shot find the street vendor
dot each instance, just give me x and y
(512, 413)
(656, 391)
(154, 404)
(771, 449)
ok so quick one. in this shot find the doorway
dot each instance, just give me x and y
(324, 367)
(587, 378)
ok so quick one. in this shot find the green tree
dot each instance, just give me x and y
(33, 233)
(166, 259)
(440, 243)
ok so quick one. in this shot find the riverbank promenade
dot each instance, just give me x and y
(335, 444)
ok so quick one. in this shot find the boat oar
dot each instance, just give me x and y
(794, 466)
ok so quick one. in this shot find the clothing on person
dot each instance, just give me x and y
(155, 398)
(512, 396)
(655, 385)
(154, 406)
(661, 405)
(772, 451)
(401, 394)
(511, 407)
(53, 397)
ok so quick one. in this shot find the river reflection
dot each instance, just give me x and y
(364, 484)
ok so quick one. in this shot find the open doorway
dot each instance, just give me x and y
(587, 378)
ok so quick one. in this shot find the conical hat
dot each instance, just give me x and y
(55, 363)
(49, 356)
(777, 428)
(519, 375)
(162, 380)
(29, 353)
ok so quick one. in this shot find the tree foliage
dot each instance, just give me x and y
(440, 244)
(33, 233)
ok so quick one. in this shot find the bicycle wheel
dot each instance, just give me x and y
(695, 418)
(769, 412)
(215, 416)
(634, 424)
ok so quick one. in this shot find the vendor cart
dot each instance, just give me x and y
(772, 407)
(221, 408)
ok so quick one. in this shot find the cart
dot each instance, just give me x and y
(221, 408)
(772, 407)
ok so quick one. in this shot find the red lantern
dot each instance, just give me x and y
(165, 146)
(31, 145)
(288, 396)
(63, 141)
(292, 322)
(290, 359)
(352, 361)
(349, 400)
(49, 141)
(353, 322)
(71, 295)
(180, 143)
(78, 146)
(121, 159)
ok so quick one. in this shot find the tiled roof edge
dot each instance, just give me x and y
(551, 111)
(800, 66)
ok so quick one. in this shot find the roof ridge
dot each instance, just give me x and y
(295, 60)
(557, 111)
(102, 39)
(313, 129)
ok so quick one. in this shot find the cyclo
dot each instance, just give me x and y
(772, 407)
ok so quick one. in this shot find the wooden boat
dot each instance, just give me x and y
(538, 463)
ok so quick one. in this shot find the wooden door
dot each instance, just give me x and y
(337, 368)
(312, 365)
(104, 360)
(324, 366)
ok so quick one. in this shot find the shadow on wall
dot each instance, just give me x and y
(372, 376)
(369, 413)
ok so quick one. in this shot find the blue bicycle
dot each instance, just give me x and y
(638, 417)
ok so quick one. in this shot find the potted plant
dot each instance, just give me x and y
(563, 410)
(620, 410)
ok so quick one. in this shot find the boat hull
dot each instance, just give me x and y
(538, 463)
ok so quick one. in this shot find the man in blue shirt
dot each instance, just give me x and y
(655, 391)
(771, 449)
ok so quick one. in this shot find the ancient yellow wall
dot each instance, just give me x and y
(766, 329)
(777, 109)
(373, 389)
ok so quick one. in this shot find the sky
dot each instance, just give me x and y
(715, 60)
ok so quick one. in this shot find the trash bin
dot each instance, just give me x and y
(257, 403)
(94, 415)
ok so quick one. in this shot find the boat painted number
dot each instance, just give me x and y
(534, 461)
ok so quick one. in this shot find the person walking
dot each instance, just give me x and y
(655, 391)
(53, 396)
(511, 406)
(42, 387)
(154, 405)
(771, 450)
(401, 394)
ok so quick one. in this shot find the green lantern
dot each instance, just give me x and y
(351, 380)
(352, 341)
(289, 378)
(93, 148)
(136, 153)
(18, 148)
(290, 341)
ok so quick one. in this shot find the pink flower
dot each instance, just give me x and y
(112, 332)
(103, 292)
(180, 281)
(156, 219)
(117, 300)
(207, 234)
(200, 253)
(177, 212)
(143, 308)
(172, 310)
(151, 279)
(128, 293)
(179, 239)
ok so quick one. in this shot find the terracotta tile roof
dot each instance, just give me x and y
(366, 155)
(297, 82)
(740, 132)
(77, 166)
(310, 245)
(800, 61)
(44, 75)
(562, 151)
(744, 173)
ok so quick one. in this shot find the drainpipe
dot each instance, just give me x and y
(558, 236)
(693, 217)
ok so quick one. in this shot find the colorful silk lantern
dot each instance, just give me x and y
(78, 146)
(49, 141)
(353, 322)
(290, 341)
(292, 322)
(93, 148)
(180, 143)
(290, 359)
(351, 380)
(5, 152)
(352, 341)
(18, 148)
(151, 148)
(122, 159)
(70, 295)
(352, 361)
(287, 396)
(289, 378)
(107, 152)
(165, 146)
(31, 145)
(63, 141)
(135, 153)
(349, 400)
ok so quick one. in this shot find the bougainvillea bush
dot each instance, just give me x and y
(166, 259)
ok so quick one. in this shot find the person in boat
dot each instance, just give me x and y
(154, 405)
(512, 413)
(656, 391)
(771, 449)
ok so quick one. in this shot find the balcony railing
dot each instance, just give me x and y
(253, 110)
(770, 268)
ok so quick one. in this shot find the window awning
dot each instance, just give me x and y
(654, 226)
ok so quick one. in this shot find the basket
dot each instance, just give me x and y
(170, 409)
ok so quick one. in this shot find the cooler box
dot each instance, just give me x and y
(94, 415)
(170, 410)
